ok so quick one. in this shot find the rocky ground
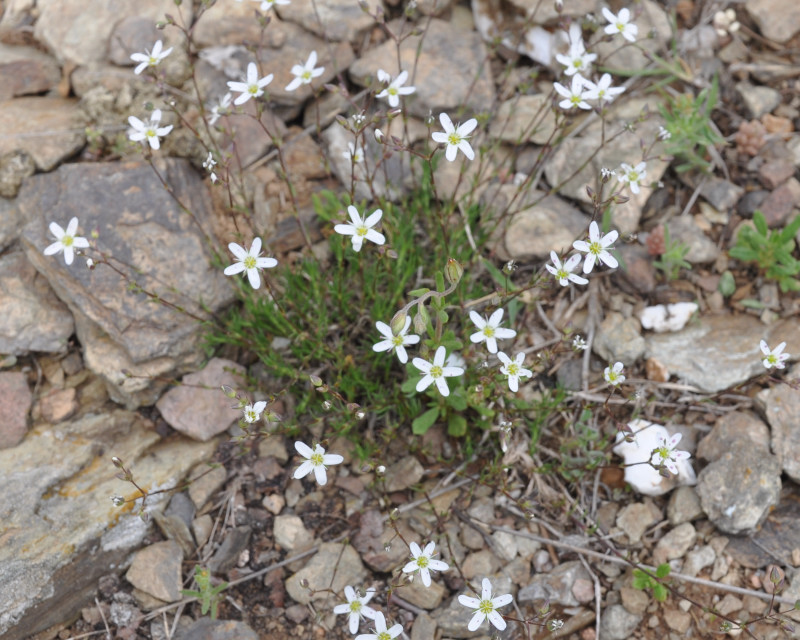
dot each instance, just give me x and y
(86, 363)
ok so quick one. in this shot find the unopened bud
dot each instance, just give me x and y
(228, 391)
(380, 469)
(453, 271)
(398, 323)
(118, 500)
(116, 462)
(315, 380)
(559, 6)
(379, 135)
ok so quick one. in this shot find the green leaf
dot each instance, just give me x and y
(417, 293)
(790, 230)
(456, 425)
(660, 592)
(727, 285)
(440, 282)
(662, 570)
(457, 401)
(422, 423)
(761, 222)
(410, 385)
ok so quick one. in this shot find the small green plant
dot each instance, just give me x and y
(674, 257)
(209, 596)
(771, 249)
(688, 123)
(644, 580)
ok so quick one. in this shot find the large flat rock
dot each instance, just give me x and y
(61, 531)
(150, 240)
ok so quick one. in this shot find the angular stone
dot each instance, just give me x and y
(447, 56)
(319, 571)
(617, 623)
(333, 19)
(634, 519)
(778, 20)
(15, 402)
(421, 596)
(14, 168)
(781, 405)
(80, 31)
(49, 130)
(291, 534)
(730, 427)
(58, 405)
(33, 318)
(231, 23)
(758, 100)
(737, 502)
(208, 629)
(157, 246)
(717, 352)
(684, 506)
(555, 585)
(63, 475)
(702, 250)
(198, 408)
(26, 71)
(675, 543)
(403, 474)
(619, 339)
(207, 483)
(156, 570)
(524, 119)
(133, 34)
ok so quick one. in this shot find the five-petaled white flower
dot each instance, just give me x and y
(395, 87)
(221, 109)
(354, 153)
(424, 562)
(621, 24)
(316, 461)
(486, 608)
(633, 175)
(66, 241)
(436, 372)
(613, 375)
(356, 607)
(397, 342)
(250, 262)
(575, 96)
(563, 272)
(773, 358)
(455, 137)
(150, 58)
(266, 5)
(252, 412)
(149, 130)
(577, 60)
(304, 74)
(252, 87)
(490, 330)
(602, 91)
(597, 248)
(666, 455)
(360, 228)
(514, 369)
(579, 344)
(381, 632)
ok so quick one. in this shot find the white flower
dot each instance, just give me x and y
(514, 369)
(249, 261)
(579, 344)
(663, 134)
(574, 96)
(613, 375)
(220, 109)
(486, 607)
(149, 130)
(455, 137)
(266, 5)
(602, 91)
(397, 342)
(150, 58)
(666, 455)
(563, 272)
(395, 87)
(66, 241)
(454, 359)
(381, 632)
(490, 330)
(316, 461)
(424, 561)
(774, 358)
(252, 412)
(436, 372)
(633, 175)
(621, 24)
(252, 87)
(607, 174)
(356, 153)
(577, 60)
(356, 607)
(361, 229)
(597, 248)
(304, 74)
(725, 23)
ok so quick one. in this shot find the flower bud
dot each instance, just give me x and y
(398, 323)
(118, 500)
(116, 462)
(378, 135)
(453, 271)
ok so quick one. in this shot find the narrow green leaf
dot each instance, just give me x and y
(422, 423)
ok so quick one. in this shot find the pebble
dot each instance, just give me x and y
(156, 570)
(227, 555)
(201, 528)
(616, 623)
(207, 483)
(675, 543)
(736, 425)
(424, 627)
(778, 206)
(634, 519)
(778, 20)
(619, 339)
(403, 474)
(556, 585)
(15, 403)
(758, 100)
(635, 601)
(775, 172)
(58, 405)
(480, 564)
(698, 559)
(525, 118)
(781, 405)
(419, 595)
(208, 629)
(317, 573)
(677, 620)
(291, 534)
(684, 506)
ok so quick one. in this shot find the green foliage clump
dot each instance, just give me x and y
(209, 596)
(771, 250)
(644, 580)
(674, 257)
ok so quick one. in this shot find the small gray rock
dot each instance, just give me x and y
(736, 502)
(556, 585)
(736, 425)
(634, 519)
(702, 250)
(207, 629)
(227, 556)
(403, 474)
(758, 100)
(698, 559)
(778, 20)
(619, 339)
(15, 403)
(318, 573)
(291, 534)
(782, 406)
(156, 570)
(617, 623)
(675, 543)
(684, 506)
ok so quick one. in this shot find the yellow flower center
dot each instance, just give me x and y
(251, 415)
(771, 358)
(488, 332)
(361, 231)
(422, 562)
(392, 91)
(620, 26)
(562, 274)
(316, 459)
(67, 241)
(595, 248)
(633, 176)
(307, 75)
(577, 63)
(249, 262)
(355, 606)
(152, 61)
(150, 133)
(435, 372)
(575, 100)
(397, 341)
(486, 607)
(253, 89)
(384, 635)
(513, 369)
(454, 139)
